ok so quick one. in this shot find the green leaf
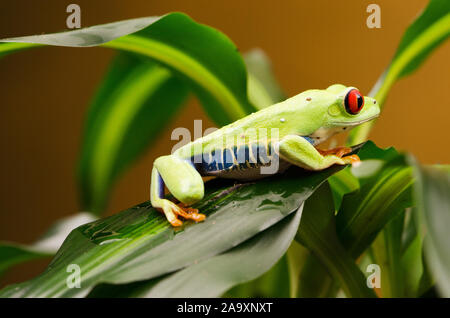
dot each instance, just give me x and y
(274, 283)
(314, 280)
(247, 261)
(342, 183)
(263, 88)
(12, 253)
(385, 192)
(387, 254)
(134, 103)
(217, 274)
(432, 191)
(425, 34)
(412, 257)
(139, 244)
(203, 56)
(297, 255)
(318, 232)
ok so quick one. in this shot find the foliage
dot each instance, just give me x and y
(300, 234)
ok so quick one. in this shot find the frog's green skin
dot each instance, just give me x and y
(301, 123)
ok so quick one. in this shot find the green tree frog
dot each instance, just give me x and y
(259, 145)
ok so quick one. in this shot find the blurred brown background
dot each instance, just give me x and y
(312, 44)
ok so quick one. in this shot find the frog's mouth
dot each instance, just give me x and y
(355, 123)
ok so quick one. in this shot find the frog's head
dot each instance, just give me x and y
(336, 109)
(350, 108)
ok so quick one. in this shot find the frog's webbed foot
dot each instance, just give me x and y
(189, 213)
(341, 152)
(173, 211)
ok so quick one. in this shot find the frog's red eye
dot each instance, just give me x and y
(354, 102)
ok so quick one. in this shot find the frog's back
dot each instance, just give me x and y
(240, 149)
(269, 124)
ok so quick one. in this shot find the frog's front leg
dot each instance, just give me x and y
(183, 181)
(298, 151)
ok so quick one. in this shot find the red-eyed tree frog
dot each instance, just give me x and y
(261, 144)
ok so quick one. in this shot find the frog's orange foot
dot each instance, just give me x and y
(339, 151)
(352, 159)
(173, 211)
(188, 213)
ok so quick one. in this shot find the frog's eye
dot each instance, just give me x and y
(354, 101)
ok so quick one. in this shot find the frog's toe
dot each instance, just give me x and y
(352, 159)
(338, 152)
(194, 215)
(189, 213)
(176, 222)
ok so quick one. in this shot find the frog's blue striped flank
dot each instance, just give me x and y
(235, 158)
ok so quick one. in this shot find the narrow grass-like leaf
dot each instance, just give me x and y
(384, 193)
(203, 56)
(12, 253)
(136, 101)
(297, 255)
(318, 232)
(387, 254)
(411, 258)
(432, 191)
(342, 183)
(314, 279)
(425, 34)
(139, 244)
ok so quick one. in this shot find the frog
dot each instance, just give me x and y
(262, 144)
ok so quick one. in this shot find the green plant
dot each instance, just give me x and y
(322, 228)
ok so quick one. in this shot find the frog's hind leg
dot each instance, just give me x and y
(183, 181)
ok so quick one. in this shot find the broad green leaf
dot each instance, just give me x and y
(432, 191)
(318, 233)
(203, 56)
(212, 277)
(139, 244)
(134, 103)
(426, 33)
(382, 195)
(263, 88)
(274, 283)
(12, 253)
